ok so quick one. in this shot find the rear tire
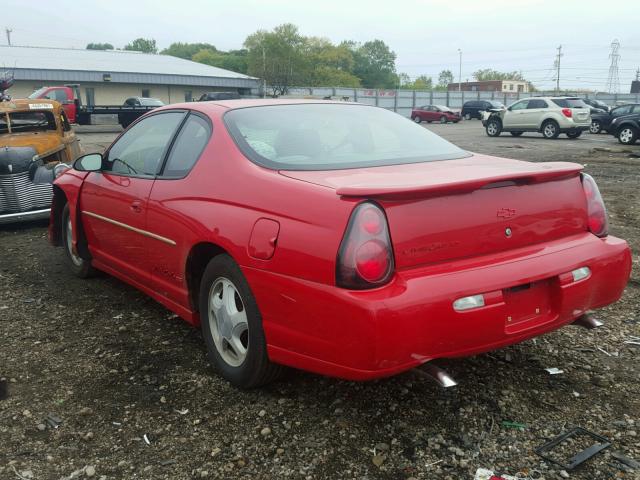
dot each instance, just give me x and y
(232, 326)
(81, 267)
(628, 135)
(494, 127)
(417, 119)
(467, 116)
(574, 134)
(550, 129)
(516, 134)
(443, 119)
(596, 127)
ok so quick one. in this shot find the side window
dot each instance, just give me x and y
(140, 149)
(621, 111)
(188, 146)
(519, 105)
(636, 109)
(537, 104)
(60, 95)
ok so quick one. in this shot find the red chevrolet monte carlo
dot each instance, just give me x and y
(337, 238)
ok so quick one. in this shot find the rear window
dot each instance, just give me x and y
(151, 102)
(569, 102)
(333, 137)
(27, 122)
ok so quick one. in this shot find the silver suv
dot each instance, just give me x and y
(550, 116)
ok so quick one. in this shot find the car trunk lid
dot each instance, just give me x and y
(440, 211)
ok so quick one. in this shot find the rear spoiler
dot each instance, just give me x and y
(537, 173)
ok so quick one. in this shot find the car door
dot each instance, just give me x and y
(532, 115)
(168, 210)
(114, 200)
(514, 116)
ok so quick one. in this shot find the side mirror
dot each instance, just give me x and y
(89, 163)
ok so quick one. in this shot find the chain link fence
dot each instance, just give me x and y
(403, 101)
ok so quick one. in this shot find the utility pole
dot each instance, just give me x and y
(264, 73)
(558, 56)
(8, 30)
(460, 72)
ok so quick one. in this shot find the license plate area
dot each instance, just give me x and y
(527, 305)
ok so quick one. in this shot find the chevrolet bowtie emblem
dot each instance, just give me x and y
(506, 212)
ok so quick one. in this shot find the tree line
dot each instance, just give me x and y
(283, 57)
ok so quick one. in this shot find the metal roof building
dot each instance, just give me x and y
(118, 73)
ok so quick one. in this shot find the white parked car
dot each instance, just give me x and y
(550, 116)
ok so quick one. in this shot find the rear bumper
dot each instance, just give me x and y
(361, 335)
(24, 216)
(576, 128)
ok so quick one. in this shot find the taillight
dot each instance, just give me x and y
(365, 257)
(596, 211)
(567, 112)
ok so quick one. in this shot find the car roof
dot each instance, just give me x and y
(213, 105)
(24, 104)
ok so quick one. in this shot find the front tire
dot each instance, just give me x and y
(467, 116)
(443, 119)
(232, 326)
(550, 129)
(596, 127)
(493, 128)
(628, 135)
(81, 267)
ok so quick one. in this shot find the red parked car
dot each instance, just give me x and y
(337, 238)
(434, 113)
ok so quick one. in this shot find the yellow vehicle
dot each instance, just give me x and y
(37, 143)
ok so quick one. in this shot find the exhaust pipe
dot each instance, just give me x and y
(588, 322)
(436, 373)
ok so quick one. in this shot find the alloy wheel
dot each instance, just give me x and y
(549, 130)
(595, 127)
(626, 135)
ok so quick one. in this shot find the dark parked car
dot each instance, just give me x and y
(434, 113)
(207, 97)
(474, 108)
(596, 104)
(626, 128)
(602, 121)
(126, 118)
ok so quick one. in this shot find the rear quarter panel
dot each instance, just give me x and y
(226, 194)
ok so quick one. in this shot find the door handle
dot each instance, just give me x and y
(136, 206)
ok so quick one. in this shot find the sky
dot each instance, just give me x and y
(520, 35)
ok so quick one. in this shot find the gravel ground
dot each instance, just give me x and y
(97, 380)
